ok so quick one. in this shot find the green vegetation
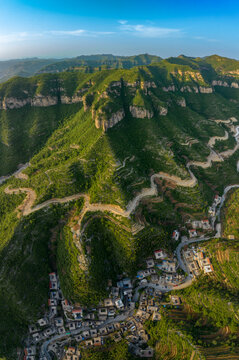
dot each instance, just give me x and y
(27, 256)
(69, 155)
(109, 249)
(24, 137)
(110, 351)
(211, 299)
(231, 215)
(171, 340)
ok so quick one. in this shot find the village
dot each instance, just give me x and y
(66, 328)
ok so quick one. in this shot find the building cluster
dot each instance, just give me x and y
(199, 225)
(160, 270)
(71, 353)
(30, 353)
(113, 317)
(197, 262)
(131, 329)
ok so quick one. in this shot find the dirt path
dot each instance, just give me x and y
(27, 206)
(213, 139)
(18, 174)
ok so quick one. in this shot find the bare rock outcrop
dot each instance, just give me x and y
(114, 119)
(101, 120)
(147, 85)
(140, 112)
(219, 83)
(44, 101)
(163, 111)
(205, 90)
(169, 88)
(234, 85)
(181, 102)
(186, 89)
(71, 100)
(14, 103)
(38, 100)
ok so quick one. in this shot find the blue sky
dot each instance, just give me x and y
(57, 28)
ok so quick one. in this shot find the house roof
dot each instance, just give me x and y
(77, 311)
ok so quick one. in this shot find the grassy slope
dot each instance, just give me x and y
(231, 215)
(26, 260)
(24, 131)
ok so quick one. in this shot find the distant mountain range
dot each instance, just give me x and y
(84, 63)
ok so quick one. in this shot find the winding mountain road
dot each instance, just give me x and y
(27, 207)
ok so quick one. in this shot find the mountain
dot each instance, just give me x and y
(84, 63)
(22, 67)
(93, 63)
(118, 159)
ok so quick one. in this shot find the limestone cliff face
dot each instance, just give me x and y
(205, 90)
(71, 100)
(225, 84)
(147, 85)
(114, 119)
(38, 100)
(169, 88)
(219, 83)
(101, 120)
(163, 111)
(13, 103)
(44, 101)
(140, 112)
(181, 102)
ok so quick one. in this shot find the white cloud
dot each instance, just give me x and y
(23, 36)
(150, 31)
(122, 22)
(79, 32)
(15, 37)
(205, 39)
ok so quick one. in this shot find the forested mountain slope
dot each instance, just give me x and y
(138, 152)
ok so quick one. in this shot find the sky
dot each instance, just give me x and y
(68, 28)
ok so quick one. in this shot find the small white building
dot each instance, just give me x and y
(176, 235)
(119, 304)
(77, 313)
(208, 268)
(192, 233)
(150, 263)
(53, 276)
(42, 322)
(160, 254)
(59, 322)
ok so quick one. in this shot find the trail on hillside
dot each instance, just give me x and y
(18, 174)
(27, 207)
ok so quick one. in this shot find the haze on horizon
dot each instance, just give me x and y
(55, 28)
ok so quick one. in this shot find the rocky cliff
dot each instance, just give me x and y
(140, 112)
(147, 91)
